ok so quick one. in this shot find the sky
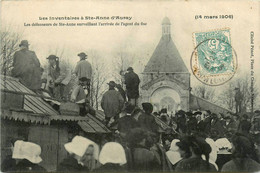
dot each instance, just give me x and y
(139, 41)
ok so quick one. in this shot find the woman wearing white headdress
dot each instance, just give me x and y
(83, 155)
(173, 154)
(28, 156)
(112, 157)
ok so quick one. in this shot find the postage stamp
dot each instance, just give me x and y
(213, 60)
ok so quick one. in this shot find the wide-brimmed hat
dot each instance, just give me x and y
(79, 145)
(147, 107)
(130, 69)
(83, 79)
(112, 152)
(52, 57)
(27, 150)
(82, 54)
(164, 110)
(24, 43)
(112, 84)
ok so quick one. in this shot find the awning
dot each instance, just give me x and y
(93, 125)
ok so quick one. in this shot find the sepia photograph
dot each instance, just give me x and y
(130, 86)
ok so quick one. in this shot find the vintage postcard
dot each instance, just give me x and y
(165, 86)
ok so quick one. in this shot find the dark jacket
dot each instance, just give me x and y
(144, 160)
(241, 165)
(147, 122)
(192, 124)
(112, 103)
(110, 167)
(238, 97)
(126, 123)
(8, 164)
(27, 68)
(164, 163)
(26, 166)
(194, 165)
(132, 82)
(122, 92)
(231, 126)
(70, 164)
(217, 125)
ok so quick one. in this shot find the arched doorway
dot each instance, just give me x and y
(166, 97)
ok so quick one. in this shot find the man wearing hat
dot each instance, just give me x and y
(147, 120)
(238, 100)
(132, 82)
(26, 67)
(83, 68)
(112, 103)
(58, 76)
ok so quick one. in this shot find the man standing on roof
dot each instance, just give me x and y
(26, 67)
(238, 100)
(112, 103)
(132, 82)
(83, 69)
(59, 77)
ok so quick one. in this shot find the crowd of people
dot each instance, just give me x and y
(138, 146)
(192, 142)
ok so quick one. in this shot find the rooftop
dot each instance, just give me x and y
(33, 108)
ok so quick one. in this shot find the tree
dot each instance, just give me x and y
(227, 97)
(248, 91)
(9, 45)
(98, 79)
(122, 60)
(205, 92)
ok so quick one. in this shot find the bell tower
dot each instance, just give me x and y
(166, 77)
(166, 27)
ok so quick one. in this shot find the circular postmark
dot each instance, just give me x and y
(213, 61)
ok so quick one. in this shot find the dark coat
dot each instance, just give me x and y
(132, 82)
(194, 165)
(164, 163)
(192, 124)
(122, 92)
(241, 165)
(238, 97)
(144, 160)
(110, 167)
(8, 164)
(232, 126)
(112, 103)
(147, 122)
(217, 125)
(126, 123)
(27, 68)
(70, 164)
(26, 166)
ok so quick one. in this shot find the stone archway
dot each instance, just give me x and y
(166, 97)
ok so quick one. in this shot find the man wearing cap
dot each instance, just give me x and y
(26, 67)
(132, 82)
(112, 103)
(83, 68)
(58, 76)
(238, 100)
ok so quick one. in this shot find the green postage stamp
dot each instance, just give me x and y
(213, 60)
